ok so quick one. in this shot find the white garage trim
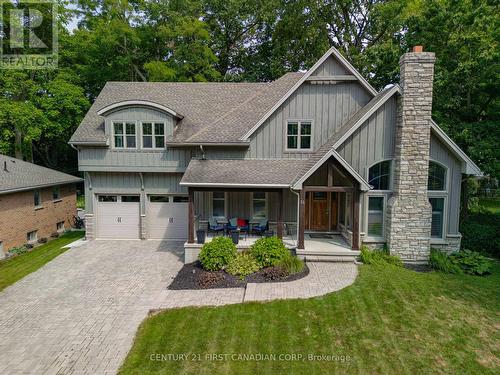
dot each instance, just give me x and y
(118, 216)
(167, 217)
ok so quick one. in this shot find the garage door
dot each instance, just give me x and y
(118, 216)
(167, 217)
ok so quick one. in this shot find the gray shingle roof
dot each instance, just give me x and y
(325, 148)
(249, 172)
(203, 106)
(21, 175)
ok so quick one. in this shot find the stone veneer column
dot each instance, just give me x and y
(409, 211)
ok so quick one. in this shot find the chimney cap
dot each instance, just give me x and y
(418, 49)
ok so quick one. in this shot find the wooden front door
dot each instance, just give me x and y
(319, 211)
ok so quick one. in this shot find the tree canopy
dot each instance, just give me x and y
(258, 40)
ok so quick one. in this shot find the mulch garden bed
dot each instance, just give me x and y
(193, 276)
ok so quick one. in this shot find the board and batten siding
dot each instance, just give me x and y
(330, 67)
(328, 107)
(135, 160)
(373, 141)
(238, 204)
(440, 153)
(130, 183)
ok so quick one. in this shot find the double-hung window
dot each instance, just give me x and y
(298, 135)
(218, 204)
(56, 193)
(376, 216)
(124, 135)
(259, 205)
(153, 135)
(437, 192)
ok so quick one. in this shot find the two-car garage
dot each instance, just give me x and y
(119, 216)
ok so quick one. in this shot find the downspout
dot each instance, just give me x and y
(298, 213)
(203, 157)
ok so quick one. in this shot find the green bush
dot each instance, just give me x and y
(242, 265)
(481, 232)
(217, 253)
(18, 250)
(291, 264)
(465, 261)
(379, 257)
(268, 251)
(471, 262)
(440, 261)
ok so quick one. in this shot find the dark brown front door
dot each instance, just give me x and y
(319, 211)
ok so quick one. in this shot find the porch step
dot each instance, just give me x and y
(328, 256)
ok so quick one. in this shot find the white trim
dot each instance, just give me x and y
(470, 166)
(367, 115)
(299, 123)
(444, 196)
(446, 177)
(375, 194)
(318, 63)
(266, 209)
(152, 135)
(124, 134)
(221, 184)
(391, 176)
(364, 185)
(145, 103)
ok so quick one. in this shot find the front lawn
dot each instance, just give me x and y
(14, 269)
(391, 321)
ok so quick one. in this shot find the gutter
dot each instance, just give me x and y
(207, 144)
(15, 190)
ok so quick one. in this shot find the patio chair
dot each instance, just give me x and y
(213, 226)
(261, 227)
(233, 224)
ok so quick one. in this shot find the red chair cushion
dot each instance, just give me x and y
(241, 222)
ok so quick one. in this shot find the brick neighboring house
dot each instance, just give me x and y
(34, 202)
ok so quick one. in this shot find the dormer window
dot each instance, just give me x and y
(298, 136)
(153, 135)
(124, 135)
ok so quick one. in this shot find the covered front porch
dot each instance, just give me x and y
(317, 216)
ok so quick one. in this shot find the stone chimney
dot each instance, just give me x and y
(409, 212)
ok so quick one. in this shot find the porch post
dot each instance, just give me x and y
(190, 215)
(279, 231)
(302, 216)
(355, 219)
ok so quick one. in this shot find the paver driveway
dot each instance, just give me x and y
(80, 312)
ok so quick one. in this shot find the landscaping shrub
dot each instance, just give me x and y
(54, 235)
(28, 246)
(440, 261)
(42, 240)
(217, 253)
(18, 250)
(274, 273)
(481, 232)
(242, 265)
(291, 264)
(209, 279)
(269, 251)
(469, 262)
(472, 262)
(380, 257)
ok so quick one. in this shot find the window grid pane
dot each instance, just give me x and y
(159, 129)
(379, 175)
(293, 128)
(118, 128)
(437, 177)
(130, 141)
(147, 141)
(130, 128)
(376, 216)
(147, 128)
(159, 141)
(305, 128)
(437, 217)
(119, 141)
(305, 142)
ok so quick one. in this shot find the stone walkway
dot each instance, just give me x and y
(79, 313)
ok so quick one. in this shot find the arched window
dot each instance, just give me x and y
(437, 177)
(379, 175)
